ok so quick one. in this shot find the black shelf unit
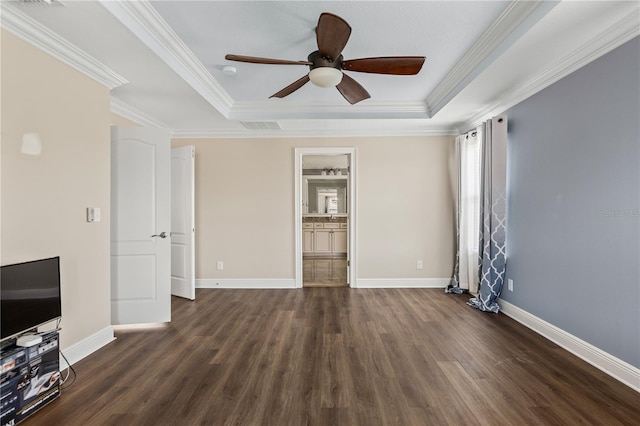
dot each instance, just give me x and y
(30, 378)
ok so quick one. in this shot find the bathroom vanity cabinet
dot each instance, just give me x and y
(324, 239)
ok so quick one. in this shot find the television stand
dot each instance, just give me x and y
(30, 378)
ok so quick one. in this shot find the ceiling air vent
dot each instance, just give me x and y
(261, 125)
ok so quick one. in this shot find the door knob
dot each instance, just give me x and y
(161, 235)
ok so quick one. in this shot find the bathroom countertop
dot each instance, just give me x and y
(324, 219)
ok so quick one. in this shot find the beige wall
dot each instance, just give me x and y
(44, 198)
(405, 208)
(245, 206)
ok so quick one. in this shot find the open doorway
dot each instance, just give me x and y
(325, 205)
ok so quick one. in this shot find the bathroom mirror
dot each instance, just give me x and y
(324, 184)
(324, 196)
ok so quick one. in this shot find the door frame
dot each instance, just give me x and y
(351, 217)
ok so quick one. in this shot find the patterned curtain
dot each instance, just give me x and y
(493, 215)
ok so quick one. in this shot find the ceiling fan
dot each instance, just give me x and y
(327, 64)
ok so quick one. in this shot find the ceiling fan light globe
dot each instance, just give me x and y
(325, 76)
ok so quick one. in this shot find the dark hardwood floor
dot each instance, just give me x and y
(337, 356)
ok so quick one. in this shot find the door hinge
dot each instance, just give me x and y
(348, 263)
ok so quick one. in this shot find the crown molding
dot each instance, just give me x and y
(36, 34)
(614, 36)
(311, 133)
(277, 109)
(144, 21)
(131, 113)
(516, 19)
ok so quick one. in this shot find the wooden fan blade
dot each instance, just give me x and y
(332, 34)
(397, 65)
(291, 88)
(269, 61)
(352, 90)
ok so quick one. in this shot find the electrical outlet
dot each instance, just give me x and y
(419, 264)
(510, 284)
(220, 265)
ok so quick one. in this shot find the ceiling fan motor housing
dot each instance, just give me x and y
(318, 61)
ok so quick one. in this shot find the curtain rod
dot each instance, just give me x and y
(474, 132)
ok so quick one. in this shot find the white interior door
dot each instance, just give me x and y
(183, 280)
(140, 221)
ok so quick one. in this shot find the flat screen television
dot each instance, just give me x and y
(29, 296)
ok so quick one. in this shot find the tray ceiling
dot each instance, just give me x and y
(164, 59)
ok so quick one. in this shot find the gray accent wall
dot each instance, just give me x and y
(573, 233)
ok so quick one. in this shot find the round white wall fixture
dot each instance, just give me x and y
(31, 144)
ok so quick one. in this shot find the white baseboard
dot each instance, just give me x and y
(402, 282)
(275, 283)
(87, 346)
(246, 283)
(615, 367)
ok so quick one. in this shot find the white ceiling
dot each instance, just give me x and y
(163, 59)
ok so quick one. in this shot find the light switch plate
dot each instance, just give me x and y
(93, 214)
